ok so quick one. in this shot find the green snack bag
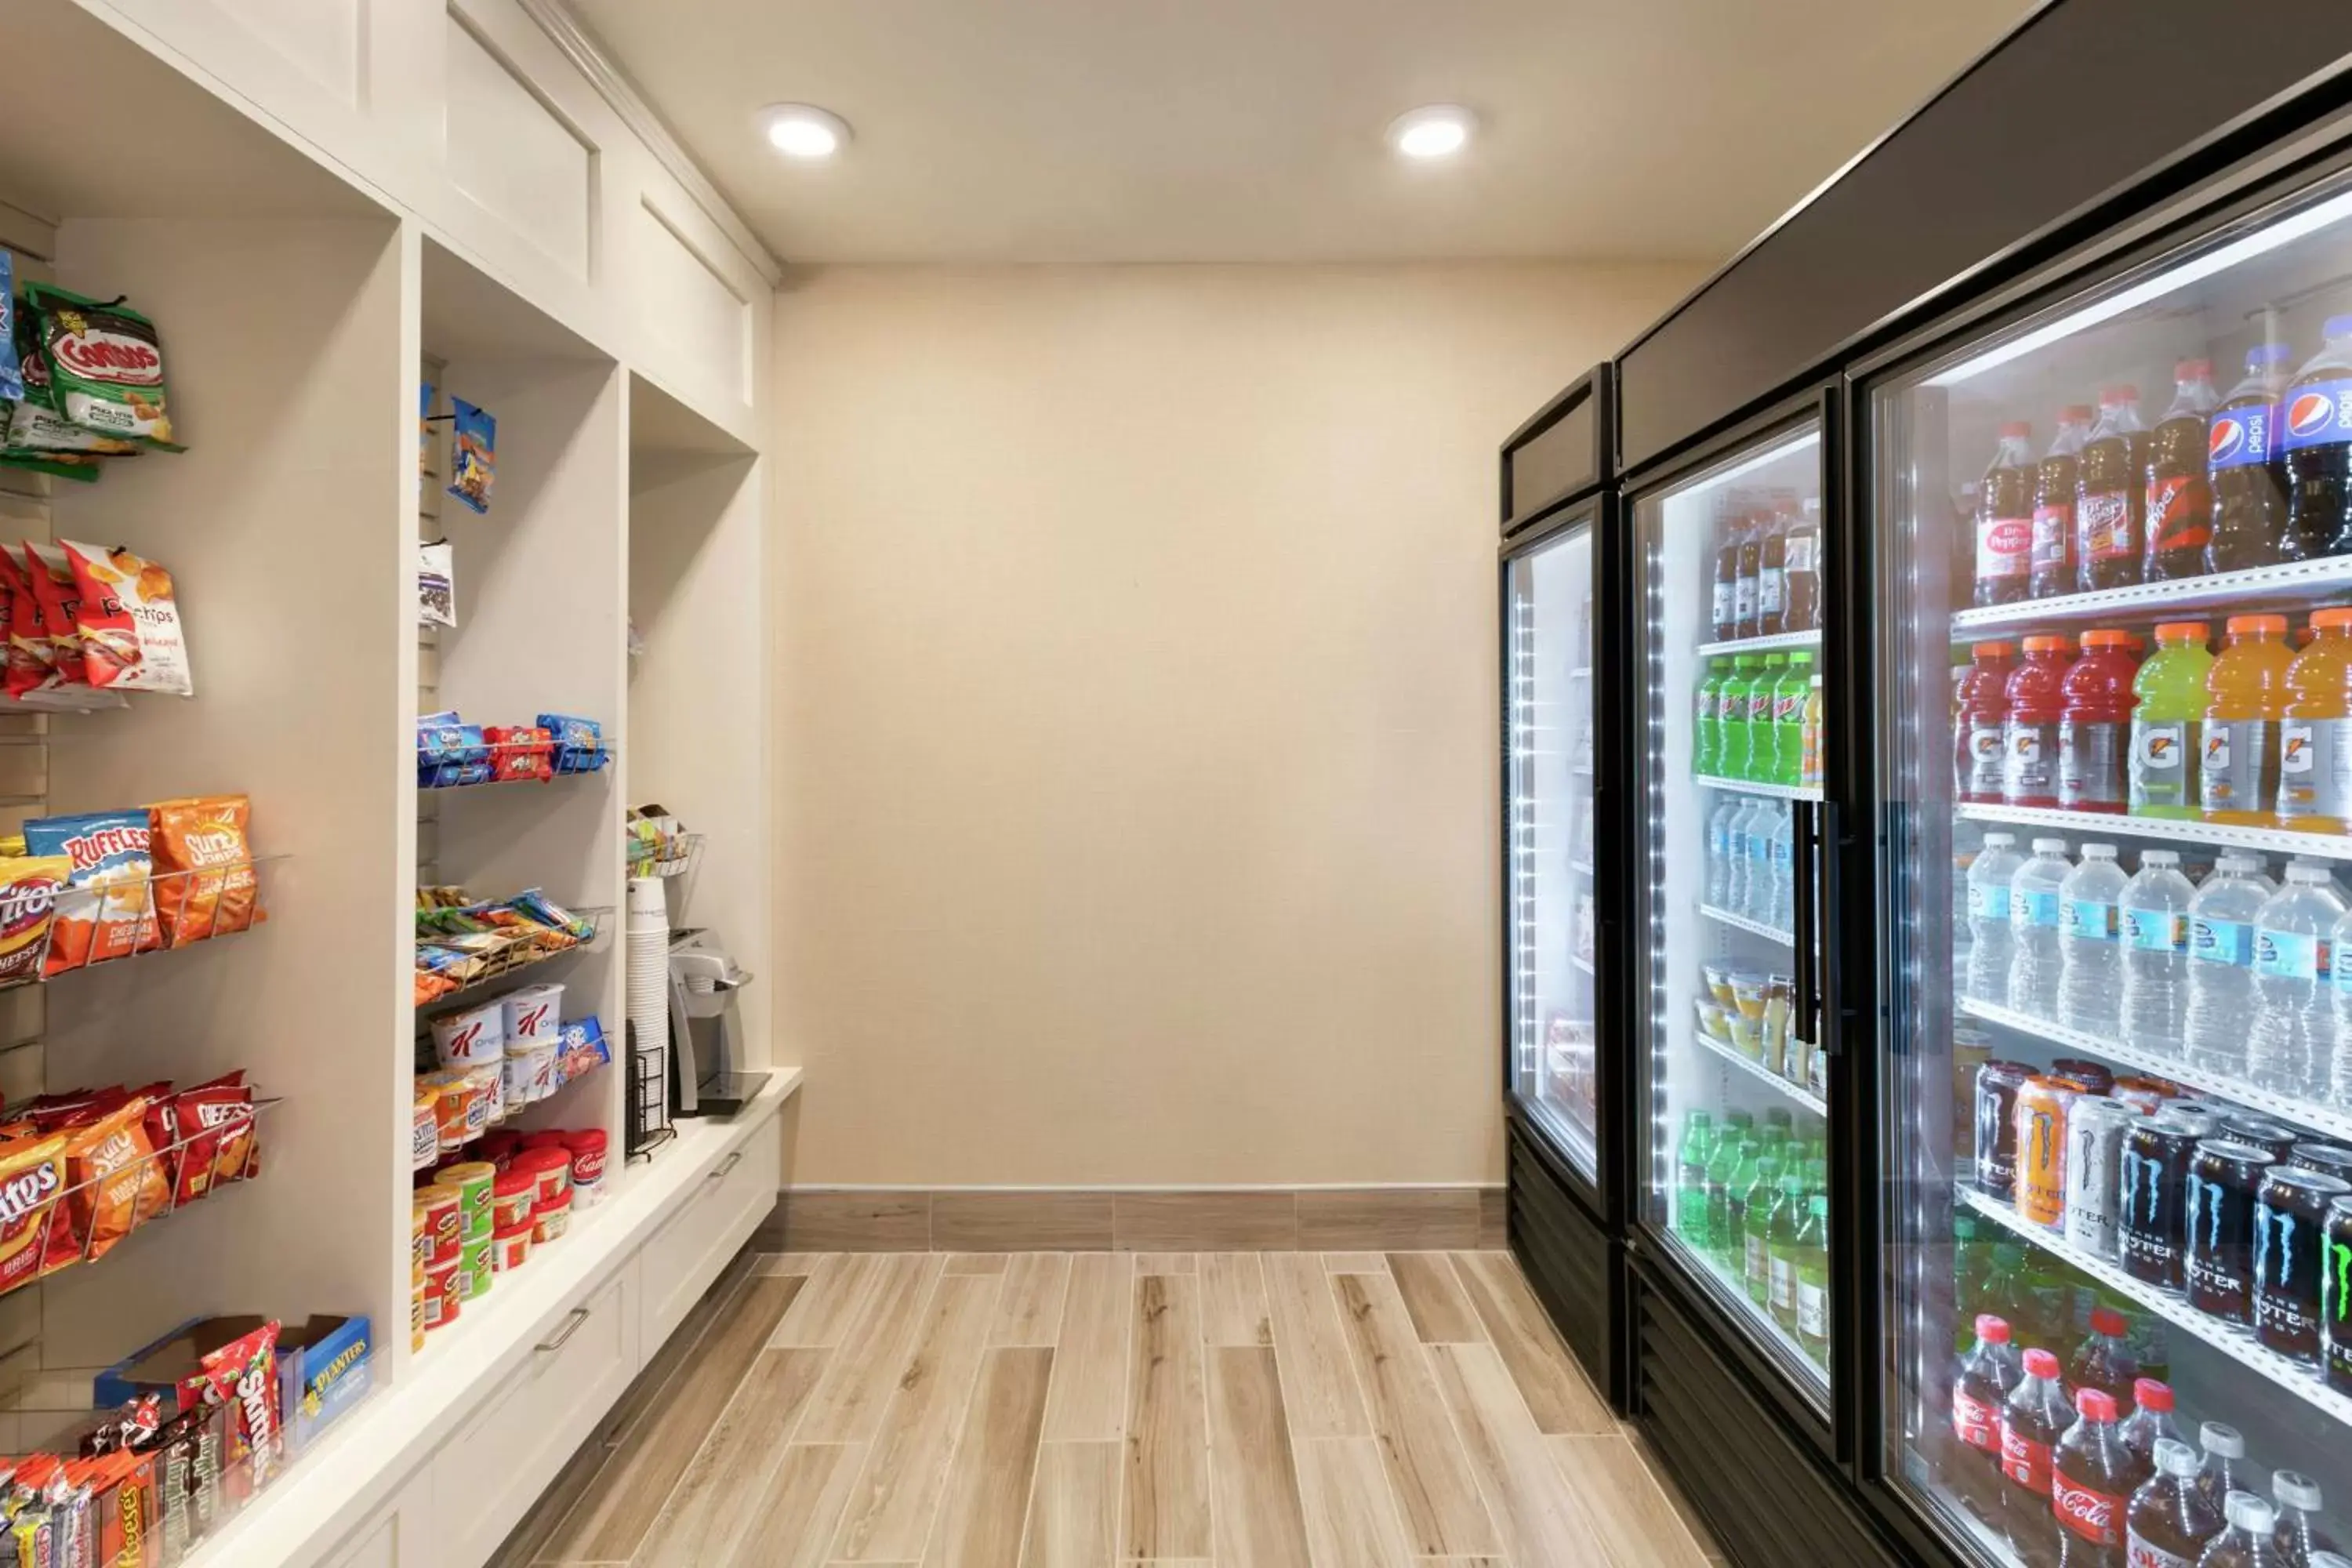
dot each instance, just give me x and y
(105, 365)
(79, 467)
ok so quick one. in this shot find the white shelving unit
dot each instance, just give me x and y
(2240, 1345)
(2240, 592)
(2095, 826)
(1794, 1093)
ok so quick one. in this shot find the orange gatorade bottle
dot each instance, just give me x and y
(2245, 701)
(2314, 790)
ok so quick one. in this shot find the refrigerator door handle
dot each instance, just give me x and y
(1806, 834)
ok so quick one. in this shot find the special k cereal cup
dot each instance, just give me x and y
(533, 1014)
(472, 1037)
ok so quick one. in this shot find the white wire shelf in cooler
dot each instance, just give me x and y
(1580, 962)
(1774, 643)
(1741, 923)
(2094, 825)
(1581, 867)
(2319, 1118)
(1795, 1093)
(2239, 1344)
(2257, 588)
(1749, 786)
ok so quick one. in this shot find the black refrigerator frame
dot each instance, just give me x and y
(1568, 1229)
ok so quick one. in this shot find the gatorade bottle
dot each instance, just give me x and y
(1789, 719)
(1732, 734)
(1760, 740)
(1983, 700)
(2171, 692)
(2029, 763)
(2316, 433)
(2111, 495)
(2237, 770)
(2179, 500)
(2243, 461)
(1706, 728)
(2314, 788)
(2095, 727)
(2054, 504)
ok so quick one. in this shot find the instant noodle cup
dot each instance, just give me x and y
(474, 1265)
(417, 1314)
(443, 1218)
(551, 1168)
(204, 864)
(512, 1248)
(448, 1090)
(550, 1224)
(512, 1197)
(443, 1293)
(588, 1145)
(470, 1036)
(472, 1183)
(545, 1138)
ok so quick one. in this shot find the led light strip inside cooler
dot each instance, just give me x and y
(2097, 825)
(2239, 1344)
(2328, 1118)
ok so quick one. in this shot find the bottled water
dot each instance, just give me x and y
(1718, 849)
(1758, 887)
(2292, 1044)
(1734, 884)
(2340, 1076)
(2155, 953)
(1991, 946)
(1781, 907)
(2221, 962)
(2035, 965)
(2090, 988)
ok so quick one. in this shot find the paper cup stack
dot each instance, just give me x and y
(648, 976)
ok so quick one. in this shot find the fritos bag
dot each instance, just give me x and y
(129, 622)
(104, 912)
(29, 897)
(202, 837)
(117, 1182)
(32, 1180)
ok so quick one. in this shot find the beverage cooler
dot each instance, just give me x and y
(2109, 679)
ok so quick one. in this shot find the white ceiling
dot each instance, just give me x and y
(1250, 130)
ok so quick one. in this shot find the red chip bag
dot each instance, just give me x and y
(217, 1121)
(59, 600)
(30, 661)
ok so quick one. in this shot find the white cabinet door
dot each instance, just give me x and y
(403, 1533)
(712, 1223)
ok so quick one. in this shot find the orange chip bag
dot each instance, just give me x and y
(204, 882)
(32, 1180)
(117, 1181)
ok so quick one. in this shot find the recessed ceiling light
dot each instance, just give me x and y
(1438, 131)
(806, 132)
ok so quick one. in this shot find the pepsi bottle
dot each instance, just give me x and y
(2241, 455)
(2316, 433)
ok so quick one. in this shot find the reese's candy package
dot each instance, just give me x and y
(203, 864)
(29, 897)
(105, 364)
(116, 1181)
(128, 621)
(32, 1180)
(103, 913)
(473, 455)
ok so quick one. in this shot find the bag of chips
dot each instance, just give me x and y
(29, 897)
(27, 662)
(436, 584)
(11, 379)
(32, 1180)
(473, 455)
(59, 600)
(104, 912)
(117, 1182)
(204, 868)
(129, 622)
(105, 364)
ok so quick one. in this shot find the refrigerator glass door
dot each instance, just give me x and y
(2113, 722)
(1735, 1190)
(1553, 924)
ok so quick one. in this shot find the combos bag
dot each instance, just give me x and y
(103, 913)
(129, 622)
(204, 866)
(105, 365)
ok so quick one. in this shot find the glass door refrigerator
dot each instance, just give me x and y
(2108, 688)
(1733, 1203)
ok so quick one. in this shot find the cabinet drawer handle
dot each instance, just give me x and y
(571, 1321)
(728, 1165)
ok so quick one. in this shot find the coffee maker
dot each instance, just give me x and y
(705, 1049)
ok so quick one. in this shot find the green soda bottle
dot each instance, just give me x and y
(1781, 1117)
(2170, 688)
(1740, 1122)
(1761, 1149)
(1690, 1177)
(1781, 1246)
(1812, 1246)
(1788, 695)
(1722, 1240)
(1760, 744)
(1756, 1228)
(1734, 734)
(1706, 731)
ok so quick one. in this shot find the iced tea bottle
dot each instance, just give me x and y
(2237, 772)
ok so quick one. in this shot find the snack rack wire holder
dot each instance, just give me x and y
(504, 965)
(648, 1127)
(145, 900)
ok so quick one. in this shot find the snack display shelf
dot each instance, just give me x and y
(483, 987)
(672, 857)
(2098, 825)
(512, 753)
(1749, 786)
(120, 901)
(2240, 592)
(1774, 643)
(2239, 1344)
(2333, 1120)
(1795, 1093)
(1785, 937)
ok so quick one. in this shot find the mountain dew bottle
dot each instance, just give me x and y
(1734, 734)
(1707, 747)
(1761, 747)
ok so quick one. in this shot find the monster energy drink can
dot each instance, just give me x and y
(2290, 1251)
(2335, 1297)
(2095, 1165)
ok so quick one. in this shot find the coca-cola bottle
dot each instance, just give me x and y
(2030, 1420)
(2246, 1541)
(2225, 1469)
(2092, 1479)
(2179, 506)
(2005, 520)
(2150, 1422)
(1988, 1374)
(2054, 504)
(2104, 1361)
(2298, 1534)
(2111, 495)
(2169, 1521)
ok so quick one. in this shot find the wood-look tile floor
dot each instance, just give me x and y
(1103, 1410)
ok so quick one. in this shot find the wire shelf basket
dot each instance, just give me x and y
(511, 761)
(528, 951)
(118, 918)
(670, 855)
(648, 1125)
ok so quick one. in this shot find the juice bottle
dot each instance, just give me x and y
(2029, 763)
(1760, 720)
(1809, 767)
(1732, 725)
(2314, 791)
(2171, 692)
(1789, 719)
(1983, 700)
(1707, 745)
(2237, 772)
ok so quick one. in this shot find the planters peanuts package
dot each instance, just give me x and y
(12, 375)
(473, 455)
(103, 911)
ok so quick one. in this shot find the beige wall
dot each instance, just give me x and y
(1137, 713)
